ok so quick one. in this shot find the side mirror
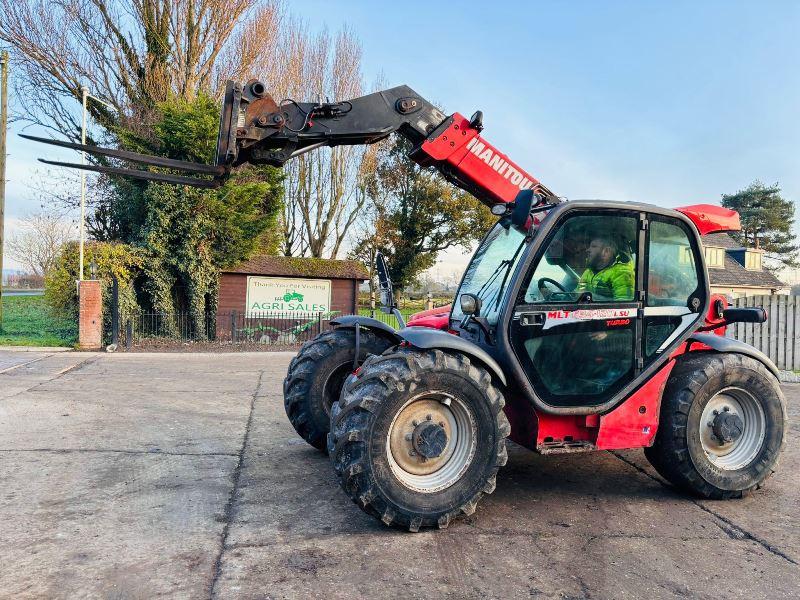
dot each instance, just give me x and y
(521, 212)
(743, 315)
(470, 304)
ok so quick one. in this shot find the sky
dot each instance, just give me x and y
(671, 103)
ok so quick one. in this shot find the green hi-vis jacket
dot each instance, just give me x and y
(615, 282)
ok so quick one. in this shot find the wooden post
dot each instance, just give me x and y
(781, 331)
(764, 337)
(796, 339)
(774, 313)
(790, 301)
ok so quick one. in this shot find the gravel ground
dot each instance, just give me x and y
(142, 475)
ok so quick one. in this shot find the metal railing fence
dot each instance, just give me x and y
(234, 327)
(290, 329)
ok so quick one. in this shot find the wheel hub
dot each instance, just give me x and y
(429, 439)
(416, 437)
(732, 428)
(727, 427)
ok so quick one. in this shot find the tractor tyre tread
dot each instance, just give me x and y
(404, 370)
(310, 369)
(700, 377)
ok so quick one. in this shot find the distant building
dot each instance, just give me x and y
(736, 271)
(281, 287)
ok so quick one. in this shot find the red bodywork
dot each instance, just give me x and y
(435, 318)
(633, 424)
(709, 218)
(463, 155)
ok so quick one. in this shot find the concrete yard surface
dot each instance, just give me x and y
(179, 476)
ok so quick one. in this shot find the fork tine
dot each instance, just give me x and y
(145, 159)
(148, 175)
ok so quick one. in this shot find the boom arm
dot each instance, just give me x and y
(255, 129)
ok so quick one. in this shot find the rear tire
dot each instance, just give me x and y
(418, 436)
(316, 375)
(722, 426)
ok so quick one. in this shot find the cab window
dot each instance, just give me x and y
(672, 273)
(589, 257)
(673, 285)
(580, 355)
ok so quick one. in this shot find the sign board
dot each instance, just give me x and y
(286, 297)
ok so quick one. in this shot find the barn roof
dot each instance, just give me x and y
(282, 266)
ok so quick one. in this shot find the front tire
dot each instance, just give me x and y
(316, 375)
(418, 436)
(722, 426)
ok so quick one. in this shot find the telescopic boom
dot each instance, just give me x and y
(254, 129)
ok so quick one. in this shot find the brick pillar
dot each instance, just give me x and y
(90, 320)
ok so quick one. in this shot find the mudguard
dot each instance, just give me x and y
(719, 343)
(427, 338)
(369, 323)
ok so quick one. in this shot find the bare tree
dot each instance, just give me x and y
(38, 241)
(137, 53)
(372, 236)
(325, 189)
(134, 53)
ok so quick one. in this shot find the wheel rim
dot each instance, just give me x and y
(747, 414)
(430, 414)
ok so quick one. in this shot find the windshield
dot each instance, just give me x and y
(490, 271)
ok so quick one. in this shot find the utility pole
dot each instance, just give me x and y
(84, 96)
(3, 124)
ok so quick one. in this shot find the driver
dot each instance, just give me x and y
(609, 273)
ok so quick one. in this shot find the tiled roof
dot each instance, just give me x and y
(734, 274)
(720, 240)
(282, 266)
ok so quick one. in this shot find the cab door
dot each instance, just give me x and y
(577, 321)
(676, 286)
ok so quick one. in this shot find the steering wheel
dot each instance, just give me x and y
(544, 291)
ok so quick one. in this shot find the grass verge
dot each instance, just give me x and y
(27, 321)
(389, 319)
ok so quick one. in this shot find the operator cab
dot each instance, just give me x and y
(580, 307)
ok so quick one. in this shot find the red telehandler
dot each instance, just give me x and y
(578, 326)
